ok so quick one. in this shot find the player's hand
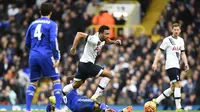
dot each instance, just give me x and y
(57, 62)
(110, 110)
(118, 42)
(73, 50)
(154, 66)
(186, 67)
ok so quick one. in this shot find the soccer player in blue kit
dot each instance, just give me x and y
(44, 56)
(77, 103)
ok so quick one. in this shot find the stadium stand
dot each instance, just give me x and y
(134, 81)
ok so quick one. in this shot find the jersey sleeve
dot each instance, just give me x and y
(182, 45)
(54, 41)
(92, 40)
(28, 38)
(164, 45)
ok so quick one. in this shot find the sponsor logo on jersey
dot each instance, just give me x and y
(176, 48)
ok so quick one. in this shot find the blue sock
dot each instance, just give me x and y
(58, 94)
(103, 106)
(29, 96)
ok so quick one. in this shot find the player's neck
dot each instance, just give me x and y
(45, 17)
(175, 37)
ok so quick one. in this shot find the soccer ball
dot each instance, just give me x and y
(150, 106)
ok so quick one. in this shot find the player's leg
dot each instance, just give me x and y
(34, 76)
(46, 64)
(30, 93)
(79, 78)
(177, 88)
(74, 85)
(102, 107)
(85, 104)
(172, 76)
(57, 91)
(106, 77)
(99, 107)
(177, 95)
(167, 93)
(127, 109)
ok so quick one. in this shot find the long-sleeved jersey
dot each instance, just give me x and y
(41, 38)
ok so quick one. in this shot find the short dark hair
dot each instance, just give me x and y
(175, 25)
(46, 9)
(102, 28)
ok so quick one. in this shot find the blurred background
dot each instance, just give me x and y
(140, 24)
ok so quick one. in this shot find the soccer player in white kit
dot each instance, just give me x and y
(87, 67)
(173, 46)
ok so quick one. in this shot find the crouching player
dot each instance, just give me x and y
(78, 103)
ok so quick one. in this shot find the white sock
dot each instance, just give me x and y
(164, 95)
(103, 83)
(177, 97)
(68, 88)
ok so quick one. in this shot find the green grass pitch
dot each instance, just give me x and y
(132, 111)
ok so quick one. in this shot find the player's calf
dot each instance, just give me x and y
(57, 92)
(29, 95)
(177, 95)
(163, 96)
(107, 76)
(77, 84)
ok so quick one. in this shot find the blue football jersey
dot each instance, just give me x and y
(41, 38)
(77, 103)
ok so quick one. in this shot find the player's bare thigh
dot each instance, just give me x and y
(77, 84)
(175, 84)
(106, 73)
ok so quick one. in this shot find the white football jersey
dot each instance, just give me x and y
(173, 48)
(92, 48)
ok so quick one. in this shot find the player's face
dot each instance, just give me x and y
(106, 34)
(176, 31)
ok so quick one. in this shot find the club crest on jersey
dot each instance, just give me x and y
(98, 43)
(176, 48)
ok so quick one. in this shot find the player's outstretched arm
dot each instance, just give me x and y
(109, 41)
(78, 37)
(183, 56)
(156, 59)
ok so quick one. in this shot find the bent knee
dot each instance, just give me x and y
(110, 76)
(172, 86)
(56, 81)
(35, 83)
(77, 84)
(176, 84)
(107, 73)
